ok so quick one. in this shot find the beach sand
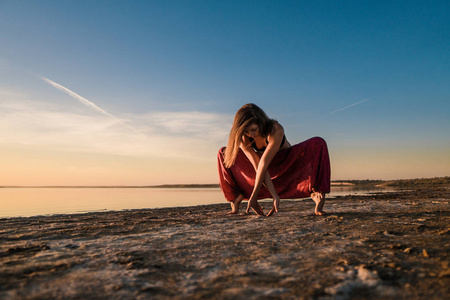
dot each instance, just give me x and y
(390, 246)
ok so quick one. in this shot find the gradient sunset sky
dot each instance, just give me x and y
(144, 92)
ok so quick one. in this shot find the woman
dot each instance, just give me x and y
(259, 162)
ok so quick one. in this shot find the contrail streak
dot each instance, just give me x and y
(80, 98)
(333, 112)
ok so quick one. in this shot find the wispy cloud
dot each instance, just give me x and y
(41, 125)
(192, 124)
(351, 105)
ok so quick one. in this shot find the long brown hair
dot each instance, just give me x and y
(245, 116)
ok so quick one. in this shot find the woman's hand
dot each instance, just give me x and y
(276, 205)
(253, 203)
(261, 164)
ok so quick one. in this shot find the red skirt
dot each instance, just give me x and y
(296, 172)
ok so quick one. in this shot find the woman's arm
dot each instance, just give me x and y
(249, 152)
(255, 159)
(261, 171)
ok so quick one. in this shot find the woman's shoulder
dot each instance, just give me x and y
(277, 129)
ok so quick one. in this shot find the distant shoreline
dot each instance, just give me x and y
(166, 186)
(367, 182)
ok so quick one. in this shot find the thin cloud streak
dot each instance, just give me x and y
(351, 105)
(80, 98)
(89, 104)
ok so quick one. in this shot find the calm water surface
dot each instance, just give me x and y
(25, 202)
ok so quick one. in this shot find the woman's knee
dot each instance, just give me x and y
(319, 141)
(221, 151)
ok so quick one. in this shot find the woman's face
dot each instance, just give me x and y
(252, 130)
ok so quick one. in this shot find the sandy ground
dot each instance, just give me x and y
(390, 246)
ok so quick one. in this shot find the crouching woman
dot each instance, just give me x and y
(259, 162)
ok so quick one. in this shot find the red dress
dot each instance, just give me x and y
(296, 172)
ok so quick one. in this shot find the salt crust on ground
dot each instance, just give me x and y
(390, 246)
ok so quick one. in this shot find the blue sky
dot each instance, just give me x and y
(171, 74)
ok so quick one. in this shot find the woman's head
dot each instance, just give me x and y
(251, 121)
(251, 114)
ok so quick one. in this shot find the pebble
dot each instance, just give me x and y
(445, 231)
(343, 262)
(396, 246)
(445, 273)
(391, 265)
(389, 233)
(368, 277)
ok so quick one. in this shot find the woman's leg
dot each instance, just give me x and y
(301, 170)
(232, 188)
(235, 204)
(228, 184)
(319, 199)
(322, 182)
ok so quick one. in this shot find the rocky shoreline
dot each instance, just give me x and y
(390, 246)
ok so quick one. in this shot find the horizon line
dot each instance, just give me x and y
(188, 185)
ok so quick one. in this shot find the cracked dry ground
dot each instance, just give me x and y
(391, 246)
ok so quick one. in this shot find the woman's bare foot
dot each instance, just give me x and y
(319, 198)
(235, 204)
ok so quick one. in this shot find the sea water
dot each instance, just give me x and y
(25, 202)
